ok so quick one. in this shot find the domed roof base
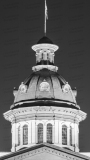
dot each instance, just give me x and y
(44, 102)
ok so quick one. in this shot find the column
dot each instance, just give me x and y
(16, 134)
(56, 131)
(78, 135)
(44, 133)
(60, 133)
(45, 55)
(53, 134)
(72, 134)
(33, 131)
(77, 131)
(68, 135)
(21, 135)
(13, 137)
(29, 133)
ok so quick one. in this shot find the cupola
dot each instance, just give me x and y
(45, 108)
(45, 51)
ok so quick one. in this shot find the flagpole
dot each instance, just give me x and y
(45, 20)
(46, 17)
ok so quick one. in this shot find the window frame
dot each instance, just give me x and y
(49, 132)
(25, 134)
(64, 134)
(40, 133)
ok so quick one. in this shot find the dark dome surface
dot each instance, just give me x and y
(44, 40)
(45, 74)
(44, 85)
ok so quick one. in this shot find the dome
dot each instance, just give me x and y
(44, 108)
(44, 87)
(45, 40)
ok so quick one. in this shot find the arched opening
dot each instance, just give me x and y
(64, 135)
(25, 134)
(18, 135)
(70, 136)
(49, 133)
(40, 133)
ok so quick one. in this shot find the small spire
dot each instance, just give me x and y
(46, 17)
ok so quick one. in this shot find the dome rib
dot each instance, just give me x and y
(37, 85)
(52, 85)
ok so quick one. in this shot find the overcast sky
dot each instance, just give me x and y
(21, 26)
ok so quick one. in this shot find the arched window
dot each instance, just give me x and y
(25, 134)
(49, 133)
(64, 135)
(70, 135)
(18, 135)
(40, 133)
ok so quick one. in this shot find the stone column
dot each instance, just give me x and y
(33, 131)
(44, 133)
(29, 133)
(60, 133)
(56, 131)
(21, 135)
(16, 134)
(13, 131)
(68, 135)
(36, 134)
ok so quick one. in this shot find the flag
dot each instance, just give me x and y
(46, 11)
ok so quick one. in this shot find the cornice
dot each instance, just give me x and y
(45, 46)
(50, 67)
(44, 112)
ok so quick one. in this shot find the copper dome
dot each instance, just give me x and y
(44, 86)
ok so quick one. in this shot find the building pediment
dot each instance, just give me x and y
(44, 152)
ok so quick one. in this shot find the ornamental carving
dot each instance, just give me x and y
(66, 88)
(44, 86)
(22, 88)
